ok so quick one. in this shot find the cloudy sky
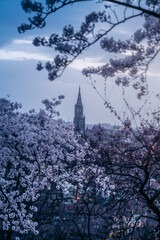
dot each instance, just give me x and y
(20, 79)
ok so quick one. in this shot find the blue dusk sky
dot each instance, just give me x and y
(23, 83)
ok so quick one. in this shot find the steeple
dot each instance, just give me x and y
(79, 100)
(79, 119)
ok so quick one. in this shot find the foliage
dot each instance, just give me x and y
(36, 150)
(131, 178)
(133, 56)
(116, 183)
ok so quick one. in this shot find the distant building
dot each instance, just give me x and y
(127, 123)
(79, 119)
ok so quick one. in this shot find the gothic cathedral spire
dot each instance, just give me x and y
(79, 119)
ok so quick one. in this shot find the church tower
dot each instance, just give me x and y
(79, 119)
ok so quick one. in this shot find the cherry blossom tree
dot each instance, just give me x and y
(36, 151)
(39, 150)
(133, 56)
(117, 193)
(131, 179)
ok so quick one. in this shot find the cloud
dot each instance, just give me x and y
(22, 41)
(21, 56)
(79, 64)
(153, 74)
(125, 32)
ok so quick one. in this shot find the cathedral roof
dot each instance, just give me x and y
(79, 100)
